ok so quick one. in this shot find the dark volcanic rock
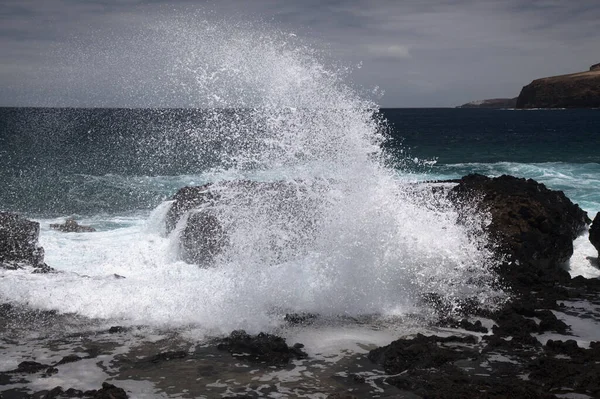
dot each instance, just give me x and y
(578, 90)
(186, 199)
(110, 391)
(533, 225)
(206, 231)
(595, 233)
(421, 352)
(30, 367)
(262, 347)
(202, 238)
(71, 226)
(19, 242)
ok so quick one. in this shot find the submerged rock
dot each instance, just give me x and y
(595, 233)
(71, 226)
(19, 242)
(531, 224)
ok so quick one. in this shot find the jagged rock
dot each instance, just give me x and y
(71, 226)
(533, 225)
(19, 242)
(262, 347)
(421, 352)
(202, 239)
(577, 90)
(595, 233)
(186, 199)
(30, 367)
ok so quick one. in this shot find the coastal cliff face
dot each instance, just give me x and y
(577, 90)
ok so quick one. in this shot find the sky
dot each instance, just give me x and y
(412, 53)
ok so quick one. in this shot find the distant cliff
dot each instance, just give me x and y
(492, 103)
(577, 90)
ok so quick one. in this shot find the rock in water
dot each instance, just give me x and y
(71, 226)
(533, 225)
(19, 242)
(595, 233)
(205, 233)
(262, 348)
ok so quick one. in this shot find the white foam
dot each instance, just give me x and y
(584, 261)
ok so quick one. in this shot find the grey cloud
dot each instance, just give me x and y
(422, 53)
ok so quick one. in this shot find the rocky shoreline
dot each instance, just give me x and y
(541, 343)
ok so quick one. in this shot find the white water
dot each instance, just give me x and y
(355, 238)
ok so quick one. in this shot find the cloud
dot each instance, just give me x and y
(434, 53)
(394, 51)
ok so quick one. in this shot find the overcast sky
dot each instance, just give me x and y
(420, 53)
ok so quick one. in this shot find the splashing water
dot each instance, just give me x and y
(346, 236)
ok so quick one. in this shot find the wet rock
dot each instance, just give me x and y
(338, 395)
(300, 318)
(421, 352)
(110, 391)
(595, 233)
(549, 322)
(262, 347)
(50, 372)
(186, 199)
(54, 393)
(532, 225)
(450, 382)
(68, 359)
(73, 393)
(205, 233)
(117, 329)
(202, 239)
(463, 324)
(19, 242)
(30, 367)
(166, 356)
(71, 226)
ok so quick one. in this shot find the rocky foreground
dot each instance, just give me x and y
(543, 343)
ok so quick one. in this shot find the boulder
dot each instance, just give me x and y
(19, 242)
(261, 348)
(71, 226)
(532, 225)
(205, 234)
(595, 233)
(186, 199)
